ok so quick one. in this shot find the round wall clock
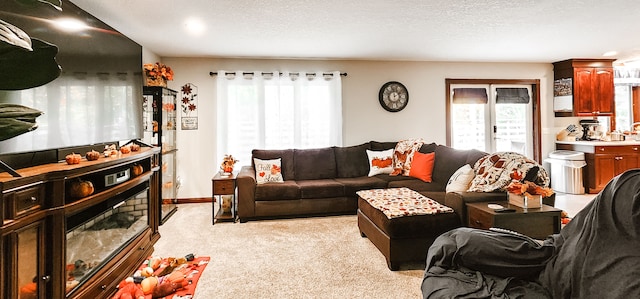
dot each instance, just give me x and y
(393, 96)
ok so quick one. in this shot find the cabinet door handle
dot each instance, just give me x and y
(635, 148)
(602, 149)
(33, 199)
(46, 278)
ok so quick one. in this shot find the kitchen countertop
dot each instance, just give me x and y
(600, 143)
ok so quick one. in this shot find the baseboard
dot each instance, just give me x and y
(194, 200)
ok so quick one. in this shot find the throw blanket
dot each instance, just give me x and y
(403, 155)
(494, 172)
(399, 202)
(594, 256)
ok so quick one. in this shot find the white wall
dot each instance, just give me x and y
(363, 118)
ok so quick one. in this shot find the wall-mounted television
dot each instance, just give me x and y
(96, 99)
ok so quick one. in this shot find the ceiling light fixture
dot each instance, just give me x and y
(194, 26)
(610, 53)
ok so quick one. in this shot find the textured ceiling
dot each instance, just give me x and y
(425, 30)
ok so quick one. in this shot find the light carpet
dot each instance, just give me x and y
(319, 257)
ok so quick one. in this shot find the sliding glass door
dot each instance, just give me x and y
(492, 117)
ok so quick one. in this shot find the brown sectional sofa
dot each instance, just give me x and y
(324, 181)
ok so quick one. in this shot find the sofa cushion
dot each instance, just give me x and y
(380, 162)
(448, 160)
(474, 155)
(268, 171)
(285, 190)
(437, 195)
(388, 178)
(416, 185)
(322, 188)
(353, 185)
(352, 161)
(381, 146)
(428, 148)
(314, 164)
(287, 160)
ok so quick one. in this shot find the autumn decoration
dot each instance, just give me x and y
(125, 149)
(137, 169)
(73, 158)
(527, 194)
(157, 74)
(528, 188)
(80, 188)
(188, 99)
(134, 147)
(227, 164)
(92, 155)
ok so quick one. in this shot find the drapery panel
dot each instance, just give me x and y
(273, 110)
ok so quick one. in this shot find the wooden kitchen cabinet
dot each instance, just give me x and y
(604, 162)
(592, 85)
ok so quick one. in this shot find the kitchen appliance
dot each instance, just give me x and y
(590, 129)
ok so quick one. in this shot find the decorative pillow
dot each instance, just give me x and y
(380, 161)
(461, 179)
(403, 155)
(422, 166)
(268, 171)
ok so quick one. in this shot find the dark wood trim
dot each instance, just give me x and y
(537, 119)
(635, 104)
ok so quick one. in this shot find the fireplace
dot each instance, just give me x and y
(94, 235)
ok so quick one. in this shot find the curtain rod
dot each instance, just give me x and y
(281, 73)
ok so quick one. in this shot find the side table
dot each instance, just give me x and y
(536, 223)
(223, 185)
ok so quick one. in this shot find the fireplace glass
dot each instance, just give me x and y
(97, 233)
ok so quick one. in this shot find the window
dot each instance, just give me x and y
(627, 82)
(267, 111)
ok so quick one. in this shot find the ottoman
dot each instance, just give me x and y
(407, 234)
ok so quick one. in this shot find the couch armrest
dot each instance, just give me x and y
(246, 181)
(458, 200)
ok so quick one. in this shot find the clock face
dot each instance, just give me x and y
(393, 96)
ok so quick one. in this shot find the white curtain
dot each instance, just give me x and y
(270, 110)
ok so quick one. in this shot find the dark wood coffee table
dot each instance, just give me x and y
(536, 223)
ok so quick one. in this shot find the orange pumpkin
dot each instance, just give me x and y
(73, 158)
(125, 149)
(92, 155)
(137, 169)
(80, 188)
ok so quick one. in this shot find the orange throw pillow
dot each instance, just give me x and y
(422, 166)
